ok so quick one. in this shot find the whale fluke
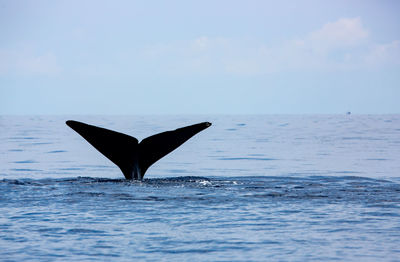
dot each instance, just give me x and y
(132, 157)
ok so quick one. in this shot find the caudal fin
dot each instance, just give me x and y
(131, 157)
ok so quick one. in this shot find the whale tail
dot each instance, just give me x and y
(132, 157)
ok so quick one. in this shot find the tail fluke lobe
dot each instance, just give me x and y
(157, 146)
(121, 149)
(131, 157)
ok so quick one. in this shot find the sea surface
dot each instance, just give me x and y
(249, 188)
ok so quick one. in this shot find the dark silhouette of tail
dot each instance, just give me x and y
(132, 157)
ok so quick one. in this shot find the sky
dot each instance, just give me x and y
(199, 57)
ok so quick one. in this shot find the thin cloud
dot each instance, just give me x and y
(25, 62)
(384, 54)
(340, 45)
(346, 32)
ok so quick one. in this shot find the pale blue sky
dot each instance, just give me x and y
(199, 57)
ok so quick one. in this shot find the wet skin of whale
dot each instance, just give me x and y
(132, 157)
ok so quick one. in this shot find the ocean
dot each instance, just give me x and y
(249, 188)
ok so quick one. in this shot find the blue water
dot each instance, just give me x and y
(249, 188)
